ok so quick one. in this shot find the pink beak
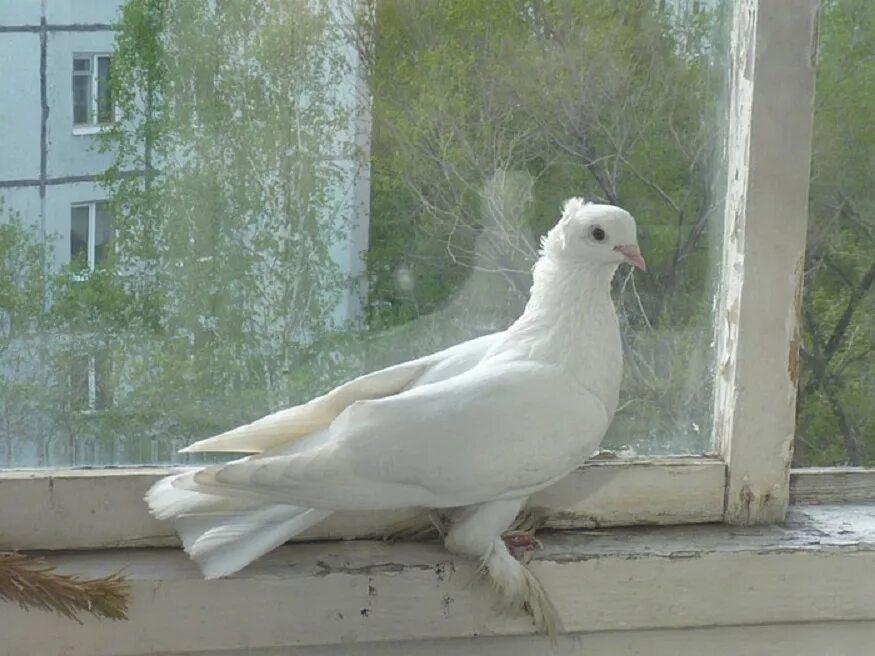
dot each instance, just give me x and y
(633, 256)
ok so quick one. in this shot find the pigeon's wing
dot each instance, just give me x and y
(292, 423)
(285, 426)
(499, 430)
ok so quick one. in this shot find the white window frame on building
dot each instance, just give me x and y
(87, 80)
(746, 480)
(92, 229)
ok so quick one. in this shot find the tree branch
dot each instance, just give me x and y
(32, 583)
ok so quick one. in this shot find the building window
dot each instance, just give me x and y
(90, 234)
(92, 96)
(90, 382)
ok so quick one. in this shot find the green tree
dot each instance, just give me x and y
(487, 115)
(835, 419)
(23, 300)
(236, 116)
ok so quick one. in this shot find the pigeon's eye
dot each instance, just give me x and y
(598, 233)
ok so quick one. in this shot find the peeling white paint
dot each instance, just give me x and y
(769, 150)
(815, 568)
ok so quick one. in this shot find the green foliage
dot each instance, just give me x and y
(23, 258)
(229, 186)
(230, 109)
(228, 189)
(488, 115)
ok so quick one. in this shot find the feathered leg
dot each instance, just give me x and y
(476, 533)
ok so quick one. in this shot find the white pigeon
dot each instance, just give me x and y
(472, 430)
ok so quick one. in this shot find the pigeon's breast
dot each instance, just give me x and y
(589, 349)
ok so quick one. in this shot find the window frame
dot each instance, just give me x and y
(93, 125)
(91, 246)
(747, 481)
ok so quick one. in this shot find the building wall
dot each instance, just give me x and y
(71, 154)
(44, 167)
(20, 110)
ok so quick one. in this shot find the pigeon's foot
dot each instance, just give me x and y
(529, 520)
(521, 544)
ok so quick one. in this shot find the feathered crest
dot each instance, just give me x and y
(556, 234)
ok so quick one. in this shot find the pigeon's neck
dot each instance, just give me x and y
(570, 320)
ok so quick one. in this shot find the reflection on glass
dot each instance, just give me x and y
(79, 383)
(104, 91)
(835, 421)
(102, 233)
(79, 234)
(326, 192)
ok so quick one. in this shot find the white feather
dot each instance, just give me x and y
(518, 589)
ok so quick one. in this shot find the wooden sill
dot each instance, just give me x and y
(104, 508)
(817, 567)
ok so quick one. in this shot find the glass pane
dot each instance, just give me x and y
(103, 382)
(102, 233)
(313, 209)
(82, 64)
(104, 91)
(78, 390)
(81, 99)
(836, 421)
(79, 235)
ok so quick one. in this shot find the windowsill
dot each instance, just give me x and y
(816, 568)
(82, 130)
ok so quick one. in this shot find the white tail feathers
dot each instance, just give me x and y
(223, 535)
(518, 588)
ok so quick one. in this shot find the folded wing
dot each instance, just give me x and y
(285, 426)
(499, 430)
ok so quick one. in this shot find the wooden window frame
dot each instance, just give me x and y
(747, 481)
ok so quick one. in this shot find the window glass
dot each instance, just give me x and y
(303, 192)
(102, 232)
(79, 234)
(80, 388)
(836, 423)
(103, 382)
(81, 91)
(104, 91)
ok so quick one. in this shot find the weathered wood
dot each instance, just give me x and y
(816, 568)
(93, 508)
(832, 485)
(813, 639)
(769, 153)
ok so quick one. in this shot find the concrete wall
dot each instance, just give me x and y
(70, 154)
(64, 12)
(20, 109)
(39, 151)
(18, 12)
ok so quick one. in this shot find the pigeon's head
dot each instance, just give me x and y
(598, 234)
